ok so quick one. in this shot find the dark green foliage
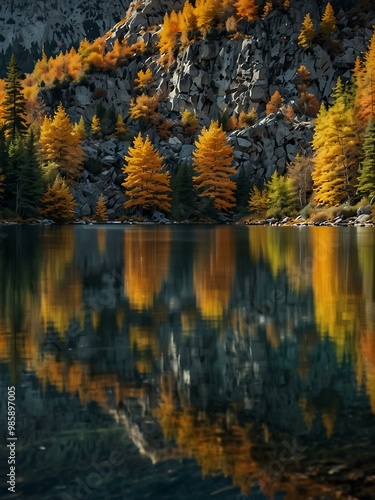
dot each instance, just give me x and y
(242, 191)
(4, 160)
(108, 122)
(207, 208)
(94, 166)
(366, 177)
(23, 183)
(223, 120)
(282, 196)
(31, 181)
(100, 110)
(14, 102)
(182, 192)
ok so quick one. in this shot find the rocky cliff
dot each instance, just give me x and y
(57, 24)
(216, 75)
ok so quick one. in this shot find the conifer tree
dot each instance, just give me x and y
(31, 180)
(4, 163)
(14, 102)
(61, 145)
(247, 9)
(337, 151)
(243, 190)
(212, 162)
(96, 129)
(299, 170)
(146, 183)
(101, 209)
(144, 79)
(364, 78)
(58, 203)
(120, 129)
(168, 34)
(307, 32)
(208, 12)
(328, 22)
(80, 129)
(281, 196)
(366, 177)
(188, 22)
(182, 192)
(274, 103)
(258, 201)
(17, 158)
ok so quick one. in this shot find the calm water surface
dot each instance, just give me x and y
(189, 362)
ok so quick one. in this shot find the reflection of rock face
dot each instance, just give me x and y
(174, 379)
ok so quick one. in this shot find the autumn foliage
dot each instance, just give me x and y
(147, 185)
(59, 144)
(58, 202)
(212, 162)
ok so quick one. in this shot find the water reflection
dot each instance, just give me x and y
(232, 346)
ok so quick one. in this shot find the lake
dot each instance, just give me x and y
(165, 362)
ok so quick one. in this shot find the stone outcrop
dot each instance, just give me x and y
(56, 24)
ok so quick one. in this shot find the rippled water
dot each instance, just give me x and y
(189, 362)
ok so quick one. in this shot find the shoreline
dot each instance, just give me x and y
(131, 222)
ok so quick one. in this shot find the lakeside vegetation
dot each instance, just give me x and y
(42, 156)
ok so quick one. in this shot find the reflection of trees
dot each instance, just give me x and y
(337, 297)
(284, 248)
(146, 257)
(61, 284)
(214, 268)
(20, 259)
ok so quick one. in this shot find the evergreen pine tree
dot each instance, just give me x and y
(31, 180)
(182, 192)
(17, 159)
(4, 163)
(366, 177)
(14, 102)
(242, 191)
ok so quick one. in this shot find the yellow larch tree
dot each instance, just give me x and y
(168, 33)
(79, 128)
(147, 184)
(100, 209)
(247, 9)
(96, 129)
(337, 146)
(188, 22)
(59, 144)
(213, 164)
(144, 79)
(208, 12)
(143, 107)
(120, 129)
(307, 32)
(328, 22)
(58, 203)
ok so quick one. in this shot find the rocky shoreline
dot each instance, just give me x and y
(360, 221)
